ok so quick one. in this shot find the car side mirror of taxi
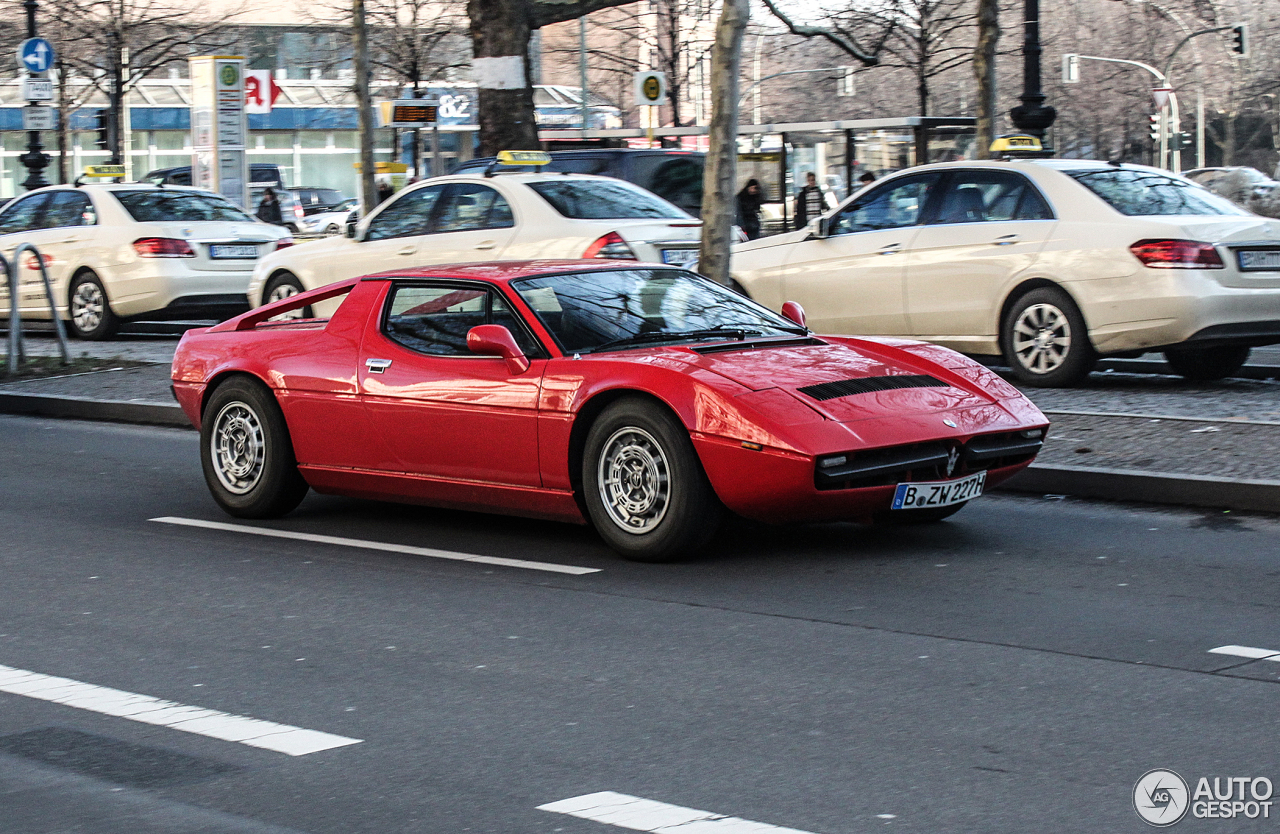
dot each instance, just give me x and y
(817, 229)
(351, 229)
(793, 311)
(496, 340)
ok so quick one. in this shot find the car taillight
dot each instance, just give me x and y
(283, 243)
(298, 212)
(1177, 254)
(610, 246)
(163, 247)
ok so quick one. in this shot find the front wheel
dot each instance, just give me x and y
(332, 230)
(284, 285)
(644, 487)
(246, 452)
(1045, 340)
(91, 317)
(1206, 364)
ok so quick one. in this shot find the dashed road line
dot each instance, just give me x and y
(268, 735)
(342, 541)
(1248, 651)
(640, 814)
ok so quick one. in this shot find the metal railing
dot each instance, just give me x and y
(16, 352)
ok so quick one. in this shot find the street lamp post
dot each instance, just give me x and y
(1032, 116)
(34, 159)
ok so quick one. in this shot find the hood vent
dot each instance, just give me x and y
(870, 384)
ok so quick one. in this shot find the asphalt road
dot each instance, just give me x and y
(1015, 669)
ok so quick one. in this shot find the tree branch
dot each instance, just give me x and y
(841, 40)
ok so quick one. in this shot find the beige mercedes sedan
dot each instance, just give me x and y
(1050, 263)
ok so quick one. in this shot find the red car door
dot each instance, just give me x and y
(440, 410)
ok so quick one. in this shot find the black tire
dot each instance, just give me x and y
(928, 515)
(1045, 340)
(246, 452)
(282, 285)
(645, 440)
(88, 308)
(332, 230)
(1206, 364)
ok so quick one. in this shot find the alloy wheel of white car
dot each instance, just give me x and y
(90, 312)
(1042, 338)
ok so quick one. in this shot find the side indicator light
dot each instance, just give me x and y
(755, 447)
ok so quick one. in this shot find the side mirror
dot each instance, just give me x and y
(351, 229)
(817, 229)
(496, 340)
(794, 312)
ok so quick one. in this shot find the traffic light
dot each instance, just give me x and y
(1180, 141)
(100, 125)
(1240, 39)
(1155, 118)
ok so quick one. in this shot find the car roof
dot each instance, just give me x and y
(122, 186)
(580, 152)
(501, 272)
(517, 176)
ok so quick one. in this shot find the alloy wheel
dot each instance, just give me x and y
(1042, 338)
(87, 305)
(237, 448)
(634, 479)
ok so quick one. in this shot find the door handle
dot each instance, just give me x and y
(891, 249)
(377, 366)
(408, 250)
(486, 244)
(1005, 240)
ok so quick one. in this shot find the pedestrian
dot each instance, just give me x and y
(384, 192)
(866, 179)
(269, 208)
(749, 200)
(811, 201)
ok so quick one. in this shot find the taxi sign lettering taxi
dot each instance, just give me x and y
(1016, 142)
(524, 158)
(104, 171)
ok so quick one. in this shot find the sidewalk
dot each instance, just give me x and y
(1201, 449)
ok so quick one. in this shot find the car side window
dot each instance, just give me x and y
(69, 208)
(408, 215)
(990, 196)
(435, 320)
(891, 206)
(469, 206)
(23, 215)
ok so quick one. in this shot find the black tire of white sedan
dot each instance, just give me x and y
(645, 490)
(1206, 364)
(1045, 340)
(247, 454)
(284, 285)
(89, 308)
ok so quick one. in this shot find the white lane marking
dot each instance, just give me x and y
(342, 541)
(1247, 651)
(640, 814)
(268, 735)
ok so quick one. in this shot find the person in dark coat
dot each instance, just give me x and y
(384, 192)
(749, 200)
(811, 202)
(269, 209)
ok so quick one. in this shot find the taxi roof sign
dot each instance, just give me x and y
(104, 171)
(524, 158)
(1016, 142)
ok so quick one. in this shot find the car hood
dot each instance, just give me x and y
(870, 379)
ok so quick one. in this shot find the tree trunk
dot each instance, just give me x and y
(500, 32)
(364, 115)
(984, 73)
(64, 115)
(721, 176)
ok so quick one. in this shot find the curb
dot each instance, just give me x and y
(86, 408)
(1148, 487)
(1079, 481)
(1159, 366)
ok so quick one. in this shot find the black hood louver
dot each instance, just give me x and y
(869, 384)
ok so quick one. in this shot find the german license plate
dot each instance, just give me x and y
(233, 250)
(938, 493)
(1252, 260)
(679, 257)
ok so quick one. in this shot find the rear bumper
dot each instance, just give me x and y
(220, 306)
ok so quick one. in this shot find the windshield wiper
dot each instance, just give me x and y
(738, 333)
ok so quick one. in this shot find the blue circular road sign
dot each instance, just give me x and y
(35, 55)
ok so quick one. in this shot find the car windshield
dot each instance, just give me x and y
(602, 200)
(161, 206)
(1147, 193)
(596, 311)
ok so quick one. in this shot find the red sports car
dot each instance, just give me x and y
(643, 399)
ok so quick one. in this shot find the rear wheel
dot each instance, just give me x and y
(246, 452)
(1206, 364)
(644, 487)
(90, 311)
(284, 285)
(1045, 340)
(332, 230)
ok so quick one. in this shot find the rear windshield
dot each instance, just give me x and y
(599, 200)
(180, 206)
(1147, 193)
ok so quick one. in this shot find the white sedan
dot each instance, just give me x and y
(133, 250)
(471, 217)
(1050, 263)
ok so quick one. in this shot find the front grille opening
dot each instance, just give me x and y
(924, 461)
(869, 384)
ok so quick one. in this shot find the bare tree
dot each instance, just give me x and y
(720, 176)
(984, 73)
